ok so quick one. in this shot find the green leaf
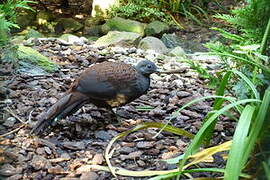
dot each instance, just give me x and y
(233, 166)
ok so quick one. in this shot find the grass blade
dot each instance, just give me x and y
(233, 166)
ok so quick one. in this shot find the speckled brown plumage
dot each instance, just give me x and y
(107, 84)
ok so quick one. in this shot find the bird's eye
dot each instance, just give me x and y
(149, 66)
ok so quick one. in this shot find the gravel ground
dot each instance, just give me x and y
(82, 138)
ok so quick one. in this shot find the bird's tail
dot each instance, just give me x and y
(67, 105)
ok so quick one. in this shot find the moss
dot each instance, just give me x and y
(120, 24)
(31, 55)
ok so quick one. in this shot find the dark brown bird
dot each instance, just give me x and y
(108, 84)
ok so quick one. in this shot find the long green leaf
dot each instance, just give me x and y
(262, 116)
(198, 139)
(251, 62)
(233, 166)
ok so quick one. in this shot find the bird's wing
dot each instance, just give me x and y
(106, 81)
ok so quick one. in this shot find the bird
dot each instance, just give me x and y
(106, 85)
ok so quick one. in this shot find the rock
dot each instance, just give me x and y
(171, 40)
(92, 21)
(40, 162)
(94, 30)
(72, 39)
(145, 144)
(133, 155)
(9, 122)
(25, 18)
(43, 17)
(104, 135)
(120, 24)
(99, 8)
(31, 56)
(97, 159)
(177, 51)
(178, 83)
(57, 170)
(33, 34)
(67, 25)
(9, 170)
(118, 38)
(17, 39)
(89, 176)
(125, 150)
(155, 28)
(15, 177)
(152, 43)
(74, 145)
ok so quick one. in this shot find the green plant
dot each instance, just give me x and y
(8, 14)
(166, 11)
(145, 11)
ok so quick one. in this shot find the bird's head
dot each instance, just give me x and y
(146, 67)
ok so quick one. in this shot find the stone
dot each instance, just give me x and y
(74, 145)
(120, 24)
(25, 18)
(33, 34)
(118, 38)
(171, 40)
(155, 28)
(89, 176)
(10, 122)
(97, 159)
(67, 25)
(9, 170)
(153, 43)
(104, 135)
(94, 30)
(132, 155)
(145, 144)
(92, 21)
(40, 162)
(177, 51)
(43, 17)
(17, 39)
(99, 8)
(72, 39)
(28, 55)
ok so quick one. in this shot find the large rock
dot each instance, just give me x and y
(155, 28)
(119, 38)
(92, 26)
(72, 39)
(99, 7)
(94, 30)
(27, 56)
(33, 34)
(120, 24)
(154, 44)
(43, 17)
(178, 52)
(67, 25)
(171, 40)
(24, 19)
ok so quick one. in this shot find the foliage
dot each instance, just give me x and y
(145, 11)
(251, 19)
(8, 14)
(166, 11)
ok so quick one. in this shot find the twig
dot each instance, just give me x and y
(24, 123)
(14, 115)
(13, 131)
(175, 71)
